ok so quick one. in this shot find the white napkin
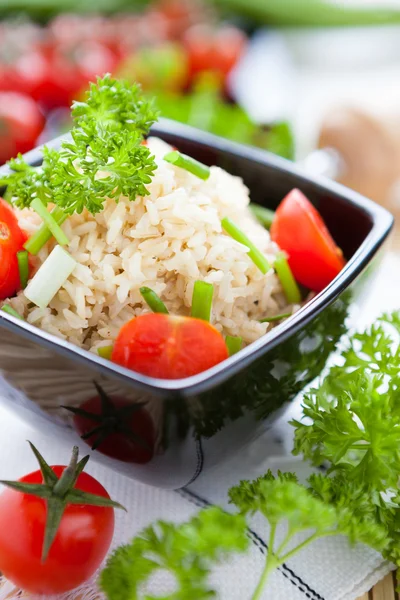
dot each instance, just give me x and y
(327, 570)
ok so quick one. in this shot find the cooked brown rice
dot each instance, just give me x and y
(165, 241)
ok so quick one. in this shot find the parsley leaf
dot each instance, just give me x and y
(353, 417)
(354, 426)
(186, 551)
(104, 159)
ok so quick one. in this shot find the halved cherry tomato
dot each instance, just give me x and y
(12, 239)
(125, 431)
(300, 231)
(82, 540)
(168, 347)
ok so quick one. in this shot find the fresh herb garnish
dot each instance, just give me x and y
(202, 300)
(186, 551)
(353, 425)
(11, 311)
(288, 282)
(104, 159)
(153, 300)
(188, 164)
(234, 344)
(255, 254)
(23, 267)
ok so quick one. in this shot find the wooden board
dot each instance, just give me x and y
(384, 590)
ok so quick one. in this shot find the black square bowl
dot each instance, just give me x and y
(166, 432)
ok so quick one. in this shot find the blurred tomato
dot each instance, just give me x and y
(213, 50)
(21, 122)
(117, 428)
(179, 15)
(163, 67)
(66, 70)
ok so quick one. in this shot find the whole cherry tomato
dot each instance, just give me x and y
(78, 543)
(213, 50)
(66, 69)
(12, 239)
(21, 123)
(168, 347)
(300, 231)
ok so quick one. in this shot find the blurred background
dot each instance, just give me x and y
(315, 81)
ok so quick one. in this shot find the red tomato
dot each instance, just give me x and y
(210, 50)
(178, 15)
(21, 122)
(64, 70)
(130, 436)
(168, 347)
(300, 231)
(12, 239)
(81, 543)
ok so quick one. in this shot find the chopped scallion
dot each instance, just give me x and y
(202, 300)
(188, 163)
(105, 352)
(155, 303)
(237, 234)
(53, 273)
(36, 242)
(287, 280)
(234, 344)
(23, 266)
(9, 310)
(51, 223)
(264, 216)
(276, 318)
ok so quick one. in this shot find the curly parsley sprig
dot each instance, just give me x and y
(104, 159)
(353, 425)
(353, 417)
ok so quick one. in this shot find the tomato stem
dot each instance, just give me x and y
(58, 493)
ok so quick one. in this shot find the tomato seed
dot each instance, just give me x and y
(4, 231)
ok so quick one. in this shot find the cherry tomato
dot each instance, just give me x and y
(168, 347)
(210, 50)
(21, 122)
(300, 231)
(12, 239)
(66, 69)
(178, 15)
(163, 67)
(81, 543)
(126, 432)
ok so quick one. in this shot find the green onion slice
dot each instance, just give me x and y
(264, 216)
(53, 273)
(202, 300)
(237, 234)
(51, 223)
(105, 352)
(287, 280)
(9, 310)
(276, 318)
(155, 303)
(188, 163)
(234, 344)
(36, 242)
(23, 266)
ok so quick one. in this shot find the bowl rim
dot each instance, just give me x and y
(382, 223)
